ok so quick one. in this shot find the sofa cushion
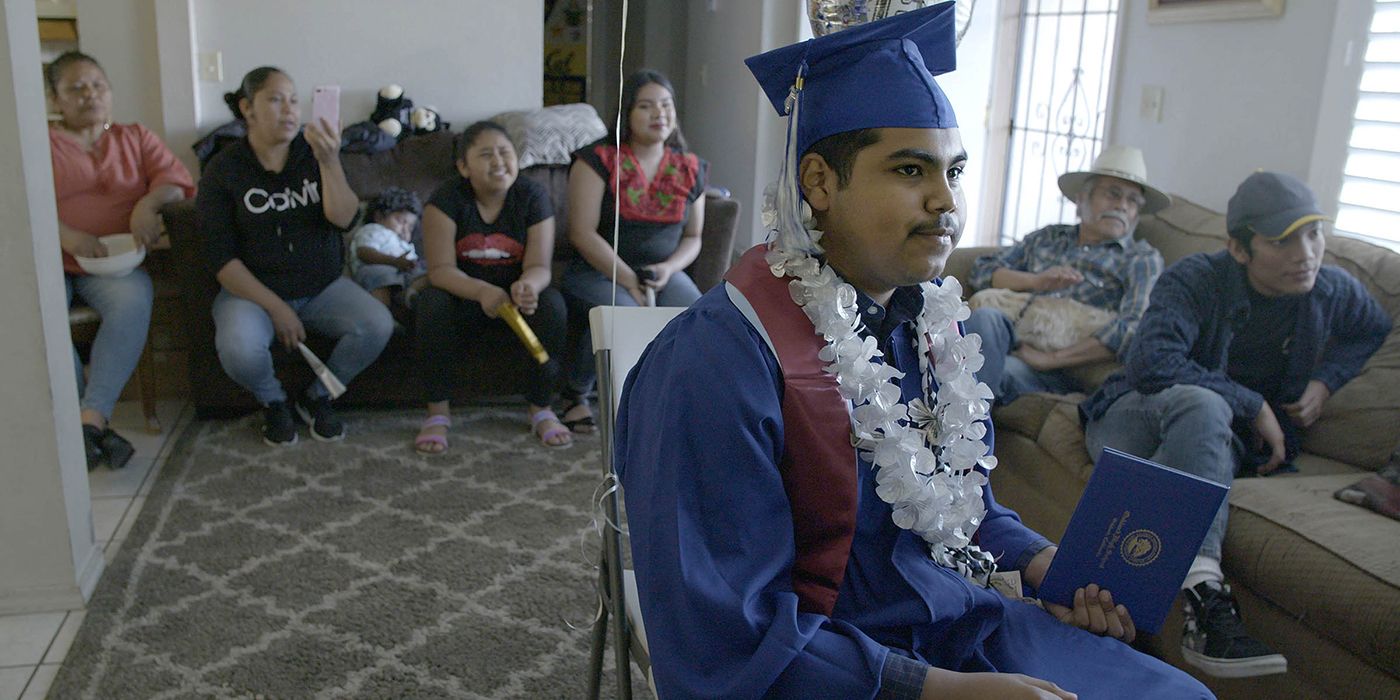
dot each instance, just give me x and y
(1092, 375)
(959, 264)
(1360, 424)
(1331, 565)
(1182, 229)
(1283, 532)
(1052, 421)
(417, 163)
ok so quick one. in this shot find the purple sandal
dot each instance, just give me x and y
(557, 430)
(423, 440)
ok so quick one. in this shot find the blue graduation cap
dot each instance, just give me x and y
(873, 75)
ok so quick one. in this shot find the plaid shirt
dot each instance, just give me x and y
(902, 678)
(1118, 274)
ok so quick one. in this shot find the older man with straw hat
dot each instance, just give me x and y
(1096, 263)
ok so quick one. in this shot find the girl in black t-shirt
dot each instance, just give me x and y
(488, 238)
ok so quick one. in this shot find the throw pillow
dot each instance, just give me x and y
(549, 136)
(1379, 492)
(1044, 322)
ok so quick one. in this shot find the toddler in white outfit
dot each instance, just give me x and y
(382, 257)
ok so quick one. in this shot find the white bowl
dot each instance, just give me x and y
(123, 255)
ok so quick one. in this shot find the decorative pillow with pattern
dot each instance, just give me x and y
(1044, 322)
(548, 136)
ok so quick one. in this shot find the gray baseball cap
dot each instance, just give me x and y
(1272, 206)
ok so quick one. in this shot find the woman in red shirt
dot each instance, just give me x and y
(108, 179)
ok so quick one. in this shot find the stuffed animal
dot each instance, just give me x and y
(426, 120)
(392, 111)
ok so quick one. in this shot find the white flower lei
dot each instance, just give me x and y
(924, 453)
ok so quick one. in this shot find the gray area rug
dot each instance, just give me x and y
(356, 569)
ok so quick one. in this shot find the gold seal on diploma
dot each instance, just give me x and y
(522, 330)
(1141, 547)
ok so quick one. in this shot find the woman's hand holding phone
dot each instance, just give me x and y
(323, 133)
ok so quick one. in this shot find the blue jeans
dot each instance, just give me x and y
(244, 336)
(1184, 427)
(124, 303)
(586, 288)
(372, 276)
(1008, 376)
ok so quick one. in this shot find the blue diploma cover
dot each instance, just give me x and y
(1135, 532)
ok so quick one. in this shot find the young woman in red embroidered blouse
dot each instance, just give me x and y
(659, 216)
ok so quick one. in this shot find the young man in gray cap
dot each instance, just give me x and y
(1096, 262)
(803, 451)
(1237, 353)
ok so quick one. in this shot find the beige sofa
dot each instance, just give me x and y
(1316, 578)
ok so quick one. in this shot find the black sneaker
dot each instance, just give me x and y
(1214, 639)
(92, 445)
(278, 426)
(317, 413)
(117, 449)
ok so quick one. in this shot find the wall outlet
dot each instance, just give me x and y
(211, 67)
(1152, 97)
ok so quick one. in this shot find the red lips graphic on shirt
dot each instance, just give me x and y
(490, 249)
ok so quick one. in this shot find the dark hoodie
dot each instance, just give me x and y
(274, 222)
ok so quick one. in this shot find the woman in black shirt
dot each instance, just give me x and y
(272, 210)
(488, 238)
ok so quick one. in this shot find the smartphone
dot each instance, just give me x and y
(325, 104)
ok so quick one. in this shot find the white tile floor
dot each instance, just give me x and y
(32, 646)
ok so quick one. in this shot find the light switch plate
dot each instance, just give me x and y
(1152, 98)
(211, 67)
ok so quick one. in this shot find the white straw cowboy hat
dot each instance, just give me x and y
(1124, 163)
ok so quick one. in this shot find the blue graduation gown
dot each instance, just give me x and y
(699, 439)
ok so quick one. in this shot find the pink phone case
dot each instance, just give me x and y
(325, 104)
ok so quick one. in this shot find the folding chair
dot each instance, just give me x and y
(620, 334)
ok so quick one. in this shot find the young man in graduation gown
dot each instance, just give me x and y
(768, 440)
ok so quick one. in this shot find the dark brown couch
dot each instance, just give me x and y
(494, 366)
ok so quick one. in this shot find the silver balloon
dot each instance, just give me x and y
(828, 16)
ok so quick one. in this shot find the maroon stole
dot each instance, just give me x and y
(819, 464)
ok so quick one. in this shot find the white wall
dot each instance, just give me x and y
(969, 91)
(605, 44)
(1240, 95)
(725, 111)
(48, 559)
(665, 45)
(174, 29)
(656, 39)
(1337, 102)
(468, 58)
(121, 34)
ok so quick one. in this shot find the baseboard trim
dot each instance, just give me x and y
(91, 572)
(57, 598)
